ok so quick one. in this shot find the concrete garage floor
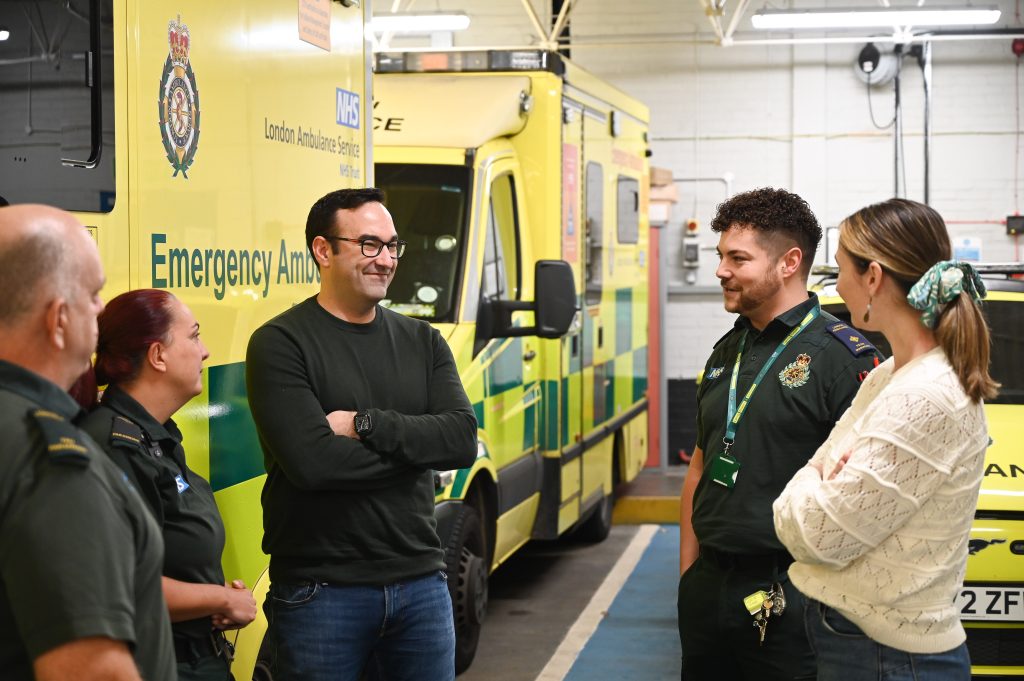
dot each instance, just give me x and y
(541, 592)
(535, 598)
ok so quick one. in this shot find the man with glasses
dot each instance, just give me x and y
(355, 405)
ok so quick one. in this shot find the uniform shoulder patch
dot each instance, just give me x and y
(63, 440)
(125, 431)
(854, 341)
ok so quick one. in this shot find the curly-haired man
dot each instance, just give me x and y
(771, 391)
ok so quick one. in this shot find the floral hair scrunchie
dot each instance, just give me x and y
(943, 282)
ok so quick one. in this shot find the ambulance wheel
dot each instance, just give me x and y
(261, 672)
(595, 529)
(467, 581)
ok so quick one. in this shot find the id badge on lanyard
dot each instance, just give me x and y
(725, 469)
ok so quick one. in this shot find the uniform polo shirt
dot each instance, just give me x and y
(80, 555)
(182, 501)
(794, 408)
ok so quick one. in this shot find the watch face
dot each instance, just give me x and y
(362, 423)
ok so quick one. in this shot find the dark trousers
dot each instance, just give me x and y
(716, 631)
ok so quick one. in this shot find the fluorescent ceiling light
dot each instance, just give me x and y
(874, 17)
(419, 23)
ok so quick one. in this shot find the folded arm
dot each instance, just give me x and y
(294, 428)
(443, 438)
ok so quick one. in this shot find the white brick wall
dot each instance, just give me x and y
(793, 117)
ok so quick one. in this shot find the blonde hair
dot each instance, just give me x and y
(906, 238)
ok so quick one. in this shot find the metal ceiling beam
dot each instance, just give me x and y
(734, 22)
(561, 21)
(535, 20)
(714, 14)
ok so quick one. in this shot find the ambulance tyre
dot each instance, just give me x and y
(595, 529)
(262, 670)
(467, 581)
(598, 525)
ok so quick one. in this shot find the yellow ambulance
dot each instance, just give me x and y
(191, 137)
(498, 165)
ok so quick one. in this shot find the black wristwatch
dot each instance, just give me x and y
(363, 425)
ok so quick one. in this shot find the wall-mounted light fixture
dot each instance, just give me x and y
(875, 17)
(419, 23)
(5, 34)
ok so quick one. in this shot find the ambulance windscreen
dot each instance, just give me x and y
(430, 205)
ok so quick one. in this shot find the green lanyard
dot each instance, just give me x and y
(736, 413)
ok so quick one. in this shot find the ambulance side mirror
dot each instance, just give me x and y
(555, 303)
(554, 307)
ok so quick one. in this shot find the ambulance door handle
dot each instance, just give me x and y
(530, 354)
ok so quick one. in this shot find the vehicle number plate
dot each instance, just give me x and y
(1000, 603)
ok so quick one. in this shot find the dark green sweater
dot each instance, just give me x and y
(337, 509)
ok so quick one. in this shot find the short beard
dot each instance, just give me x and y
(750, 299)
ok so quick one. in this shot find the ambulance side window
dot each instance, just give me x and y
(595, 232)
(501, 278)
(57, 104)
(628, 210)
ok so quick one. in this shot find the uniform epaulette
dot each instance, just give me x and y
(124, 430)
(854, 340)
(63, 440)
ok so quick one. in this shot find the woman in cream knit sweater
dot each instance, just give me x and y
(878, 519)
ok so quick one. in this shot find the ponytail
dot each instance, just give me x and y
(963, 335)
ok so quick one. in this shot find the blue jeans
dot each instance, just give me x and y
(845, 653)
(400, 632)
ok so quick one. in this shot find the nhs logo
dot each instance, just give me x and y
(347, 107)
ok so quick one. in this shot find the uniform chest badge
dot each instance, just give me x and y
(179, 101)
(796, 373)
(715, 372)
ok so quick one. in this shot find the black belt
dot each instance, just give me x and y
(188, 649)
(747, 562)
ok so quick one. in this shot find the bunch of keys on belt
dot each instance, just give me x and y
(763, 604)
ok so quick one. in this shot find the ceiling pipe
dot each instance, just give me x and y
(936, 36)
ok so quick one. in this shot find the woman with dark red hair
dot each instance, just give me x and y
(150, 358)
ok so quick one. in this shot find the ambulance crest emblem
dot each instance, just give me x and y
(796, 373)
(179, 101)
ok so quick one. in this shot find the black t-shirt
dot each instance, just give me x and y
(791, 413)
(79, 554)
(181, 500)
(340, 509)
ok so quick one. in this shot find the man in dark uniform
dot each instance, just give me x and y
(80, 557)
(770, 394)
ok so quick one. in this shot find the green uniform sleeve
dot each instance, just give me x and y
(442, 439)
(293, 427)
(67, 557)
(848, 381)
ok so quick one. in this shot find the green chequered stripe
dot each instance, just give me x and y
(623, 320)
(639, 373)
(235, 453)
(530, 419)
(478, 410)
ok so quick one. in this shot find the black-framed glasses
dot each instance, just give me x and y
(371, 248)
